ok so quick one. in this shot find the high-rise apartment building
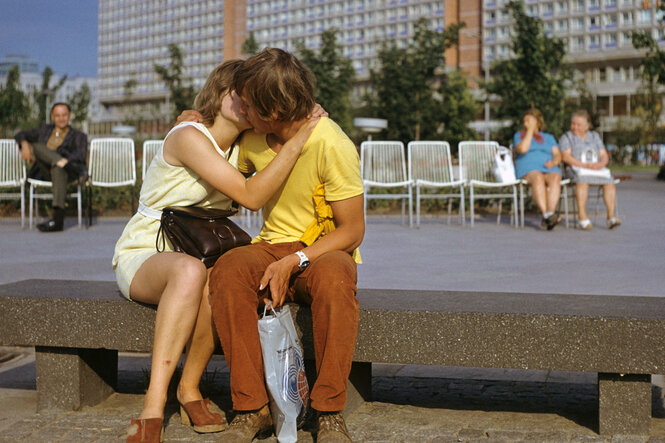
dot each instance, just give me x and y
(597, 38)
(363, 25)
(135, 35)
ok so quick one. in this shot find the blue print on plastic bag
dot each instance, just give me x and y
(295, 381)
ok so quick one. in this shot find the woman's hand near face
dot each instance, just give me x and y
(300, 138)
(318, 111)
(530, 124)
(190, 115)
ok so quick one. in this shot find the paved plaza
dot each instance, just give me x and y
(411, 403)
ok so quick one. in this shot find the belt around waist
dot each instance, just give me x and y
(149, 212)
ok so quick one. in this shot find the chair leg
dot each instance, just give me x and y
(498, 214)
(31, 202)
(471, 211)
(22, 205)
(365, 205)
(79, 207)
(462, 209)
(410, 207)
(450, 208)
(515, 208)
(89, 205)
(417, 206)
(595, 211)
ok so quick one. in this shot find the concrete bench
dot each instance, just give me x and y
(78, 327)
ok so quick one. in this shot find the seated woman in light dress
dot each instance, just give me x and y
(584, 148)
(193, 168)
(537, 162)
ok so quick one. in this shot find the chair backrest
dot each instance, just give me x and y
(12, 165)
(383, 161)
(112, 162)
(430, 160)
(476, 160)
(150, 148)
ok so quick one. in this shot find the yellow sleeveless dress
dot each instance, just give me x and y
(163, 185)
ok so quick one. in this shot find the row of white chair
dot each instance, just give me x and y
(111, 163)
(428, 165)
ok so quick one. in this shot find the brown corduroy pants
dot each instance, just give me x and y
(328, 285)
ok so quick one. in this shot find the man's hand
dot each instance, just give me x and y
(26, 151)
(276, 279)
(62, 163)
(190, 115)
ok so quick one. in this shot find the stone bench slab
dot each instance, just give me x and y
(81, 325)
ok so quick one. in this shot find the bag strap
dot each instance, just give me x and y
(160, 235)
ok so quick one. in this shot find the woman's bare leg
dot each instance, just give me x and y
(609, 197)
(537, 181)
(581, 195)
(174, 282)
(553, 183)
(199, 350)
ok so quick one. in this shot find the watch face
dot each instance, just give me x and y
(304, 261)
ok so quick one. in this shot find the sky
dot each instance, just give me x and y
(61, 34)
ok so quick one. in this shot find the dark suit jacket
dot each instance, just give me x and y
(74, 148)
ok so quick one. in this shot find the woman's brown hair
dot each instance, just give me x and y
(535, 113)
(277, 85)
(209, 100)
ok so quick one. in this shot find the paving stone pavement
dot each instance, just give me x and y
(411, 404)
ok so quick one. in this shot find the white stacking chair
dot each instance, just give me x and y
(431, 167)
(112, 163)
(476, 159)
(383, 165)
(150, 149)
(12, 173)
(598, 198)
(34, 195)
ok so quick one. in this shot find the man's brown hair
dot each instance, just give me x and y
(220, 81)
(277, 85)
(535, 113)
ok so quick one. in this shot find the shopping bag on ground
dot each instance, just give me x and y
(503, 169)
(285, 371)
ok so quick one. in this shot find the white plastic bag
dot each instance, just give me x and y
(503, 169)
(595, 173)
(285, 371)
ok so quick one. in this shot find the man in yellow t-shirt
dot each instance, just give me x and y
(280, 265)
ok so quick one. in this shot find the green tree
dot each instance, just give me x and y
(250, 46)
(14, 104)
(335, 76)
(182, 93)
(46, 94)
(404, 85)
(79, 102)
(458, 107)
(649, 99)
(536, 76)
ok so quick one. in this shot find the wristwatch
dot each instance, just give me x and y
(304, 261)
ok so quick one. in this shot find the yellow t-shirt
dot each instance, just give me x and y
(329, 158)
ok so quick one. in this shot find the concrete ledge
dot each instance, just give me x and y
(610, 335)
